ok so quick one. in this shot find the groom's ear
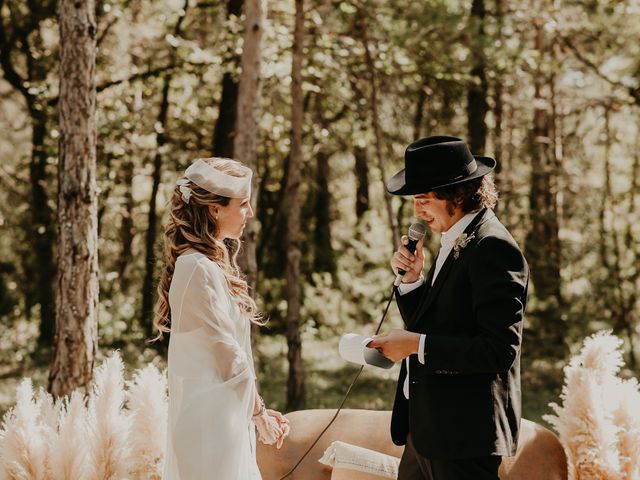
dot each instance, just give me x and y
(458, 199)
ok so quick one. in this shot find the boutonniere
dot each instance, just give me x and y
(461, 242)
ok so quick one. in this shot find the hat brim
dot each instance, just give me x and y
(397, 184)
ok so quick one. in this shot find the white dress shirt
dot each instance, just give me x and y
(447, 242)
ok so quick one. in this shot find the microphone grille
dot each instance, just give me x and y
(417, 231)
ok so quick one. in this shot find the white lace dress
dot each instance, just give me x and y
(211, 378)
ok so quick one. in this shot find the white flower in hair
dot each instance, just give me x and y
(186, 191)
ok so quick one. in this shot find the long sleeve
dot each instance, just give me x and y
(408, 302)
(405, 288)
(206, 306)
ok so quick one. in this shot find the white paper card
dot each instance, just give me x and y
(353, 348)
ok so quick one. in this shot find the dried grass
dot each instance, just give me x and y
(43, 439)
(147, 402)
(108, 423)
(599, 420)
(23, 448)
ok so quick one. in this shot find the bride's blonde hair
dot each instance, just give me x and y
(191, 225)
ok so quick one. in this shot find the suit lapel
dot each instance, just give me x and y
(433, 291)
(429, 279)
(437, 285)
(427, 282)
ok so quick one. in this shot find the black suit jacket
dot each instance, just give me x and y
(465, 400)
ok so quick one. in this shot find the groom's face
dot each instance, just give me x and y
(434, 212)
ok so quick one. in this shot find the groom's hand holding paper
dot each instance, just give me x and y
(396, 344)
(353, 348)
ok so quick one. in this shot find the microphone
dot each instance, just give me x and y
(416, 233)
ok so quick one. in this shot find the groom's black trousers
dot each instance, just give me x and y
(414, 466)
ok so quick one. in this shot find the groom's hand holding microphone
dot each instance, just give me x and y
(407, 263)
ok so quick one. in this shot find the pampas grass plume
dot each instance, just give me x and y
(627, 418)
(598, 421)
(23, 446)
(147, 402)
(4, 473)
(69, 449)
(48, 420)
(108, 423)
(66, 439)
(49, 409)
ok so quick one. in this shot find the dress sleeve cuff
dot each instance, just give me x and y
(421, 349)
(409, 287)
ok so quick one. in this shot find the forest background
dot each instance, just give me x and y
(551, 89)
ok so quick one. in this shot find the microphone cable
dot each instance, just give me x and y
(346, 395)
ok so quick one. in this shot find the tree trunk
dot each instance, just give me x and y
(148, 291)
(42, 230)
(324, 260)
(605, 199)
(295, 381)
(362, 181)
(224, 131)
(477, 106)
(620, 293)
(419, 116)
(498, 101)
(77, 306)
(127, 228)
(359, 151)
(497, 133)
(127, 231)
(507, 207)
(377, 131)
(543, 243)
(319, 198)
(103, 197)
(631, 244)
(247, 125)
(273, 222)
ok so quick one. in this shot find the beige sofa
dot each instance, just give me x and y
(540, 454)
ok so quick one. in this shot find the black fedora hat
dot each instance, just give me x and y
(437, 162)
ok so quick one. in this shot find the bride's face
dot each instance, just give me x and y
(232, 218)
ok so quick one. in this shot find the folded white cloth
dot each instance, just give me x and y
(348, 456)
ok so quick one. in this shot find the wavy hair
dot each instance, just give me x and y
(192, 225)
(470, 196)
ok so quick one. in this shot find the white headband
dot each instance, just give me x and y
(213, 180)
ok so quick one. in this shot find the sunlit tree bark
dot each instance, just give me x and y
(77, 290)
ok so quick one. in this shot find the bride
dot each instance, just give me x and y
(203, 301)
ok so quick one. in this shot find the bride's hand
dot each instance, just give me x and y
(283, 422)
(269, 429)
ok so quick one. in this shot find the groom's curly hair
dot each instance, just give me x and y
(470, 196)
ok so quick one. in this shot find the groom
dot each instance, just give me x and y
(457, 405)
